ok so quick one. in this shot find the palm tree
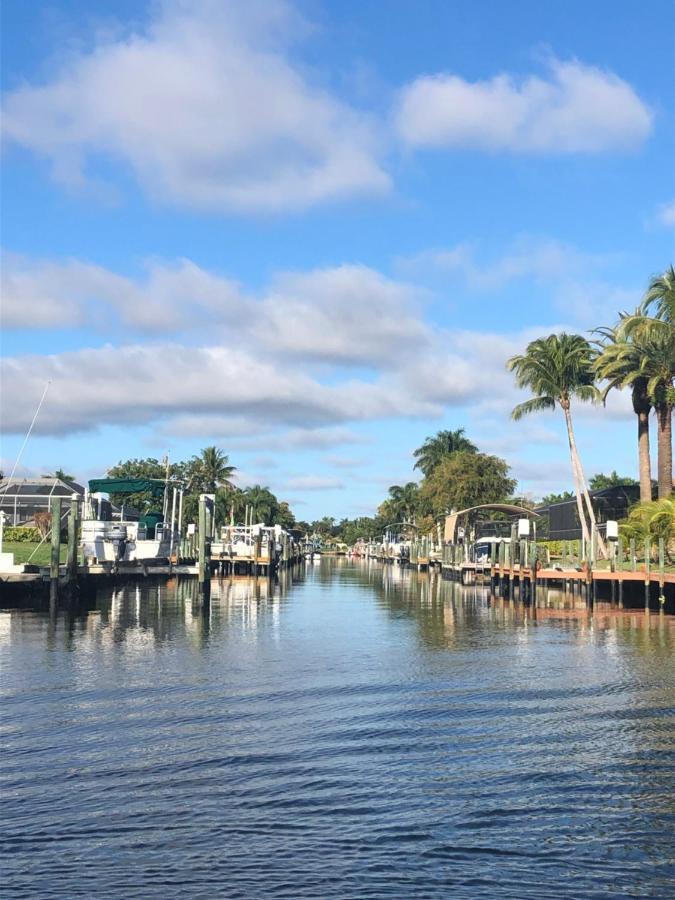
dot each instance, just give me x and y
(442, 444)
(658, 334)
(262, 501)
(556, 369)
(403, 501)
(210, 470)
(619, 363)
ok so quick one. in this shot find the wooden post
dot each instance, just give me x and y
(56, 542)
(662, 566)
(647, 570)
(73, 533)
(202, 542)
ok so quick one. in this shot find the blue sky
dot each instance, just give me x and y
(313, 232)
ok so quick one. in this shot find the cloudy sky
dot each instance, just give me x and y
(312, 232)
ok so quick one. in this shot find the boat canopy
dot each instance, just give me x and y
(127, 486)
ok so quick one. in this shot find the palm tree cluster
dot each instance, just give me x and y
(638, 353)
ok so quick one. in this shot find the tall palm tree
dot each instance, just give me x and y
(442, 444)
(619, 363)
(211, 469)
(556, 369)
(657, 331)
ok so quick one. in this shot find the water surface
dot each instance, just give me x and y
(353, 732)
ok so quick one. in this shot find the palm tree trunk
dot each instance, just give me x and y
(575, 473)
(645, 462)
(664, 418)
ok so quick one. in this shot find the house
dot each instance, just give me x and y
(608, 503)
(22, 498)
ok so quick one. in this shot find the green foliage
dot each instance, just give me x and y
(599, 482)
(438, 447)
(402, 504)
(650, 522)
(208, 471)
(60, 474)
(555, 548)
(144, 501)
(21, 534)
(466, 479)
(549, 499)
(555, 368)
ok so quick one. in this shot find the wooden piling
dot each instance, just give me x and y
(56, 545)
(73, 534)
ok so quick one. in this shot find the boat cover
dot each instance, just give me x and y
(126, 486)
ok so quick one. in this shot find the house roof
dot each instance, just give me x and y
(39, 487)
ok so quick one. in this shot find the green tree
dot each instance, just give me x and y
(439, 446)
(556, 369)
(60, 474)
(621, 363)
(209, 470)
(402, 504)
(599, 482)
(466, 479)
(550, 499)
(262, 501)
(657, 334)
(144, 501)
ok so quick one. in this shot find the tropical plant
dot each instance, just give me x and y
(402, 503)
(209, 470)
(620, 363)
(601, 481)
(650, 522)
(63, 476)
(657, 334)
(464, 480)
(439, 446)
(556, 369)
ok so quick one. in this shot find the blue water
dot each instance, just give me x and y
(354, 732)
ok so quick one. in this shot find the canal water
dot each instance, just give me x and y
(350, 732)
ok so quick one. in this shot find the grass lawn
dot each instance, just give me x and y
(23, 549)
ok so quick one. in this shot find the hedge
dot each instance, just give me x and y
(21, 534)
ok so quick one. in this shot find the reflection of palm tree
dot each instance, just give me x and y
(556, 369)
(620, 364)
(442, 444)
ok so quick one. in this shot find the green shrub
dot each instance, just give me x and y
(22, 533)
(555, 548)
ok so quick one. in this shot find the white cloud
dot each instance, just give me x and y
(207, 108)
(169, 298)
(345, 315)
(348, 314)
(577, 109)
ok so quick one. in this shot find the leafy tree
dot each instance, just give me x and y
(599, 482)
(150, 467)
(466, 479)
(439, 446)
(556, 369)
(60, 474)
(651, 521)
(402, 504)
(549, 499)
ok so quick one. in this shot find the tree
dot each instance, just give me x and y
(442, 444)
(556, 369)
(657, 334)
(466, 479)
(60, 474)
(144, 501)
(263, 503)
(621, 362)
(550, 499)
(210, 470)
(599, 482)
(651, 521)
(402, 504)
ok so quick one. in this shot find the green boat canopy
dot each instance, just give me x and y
(126, 486)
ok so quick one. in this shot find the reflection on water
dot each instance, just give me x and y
(348, 731)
